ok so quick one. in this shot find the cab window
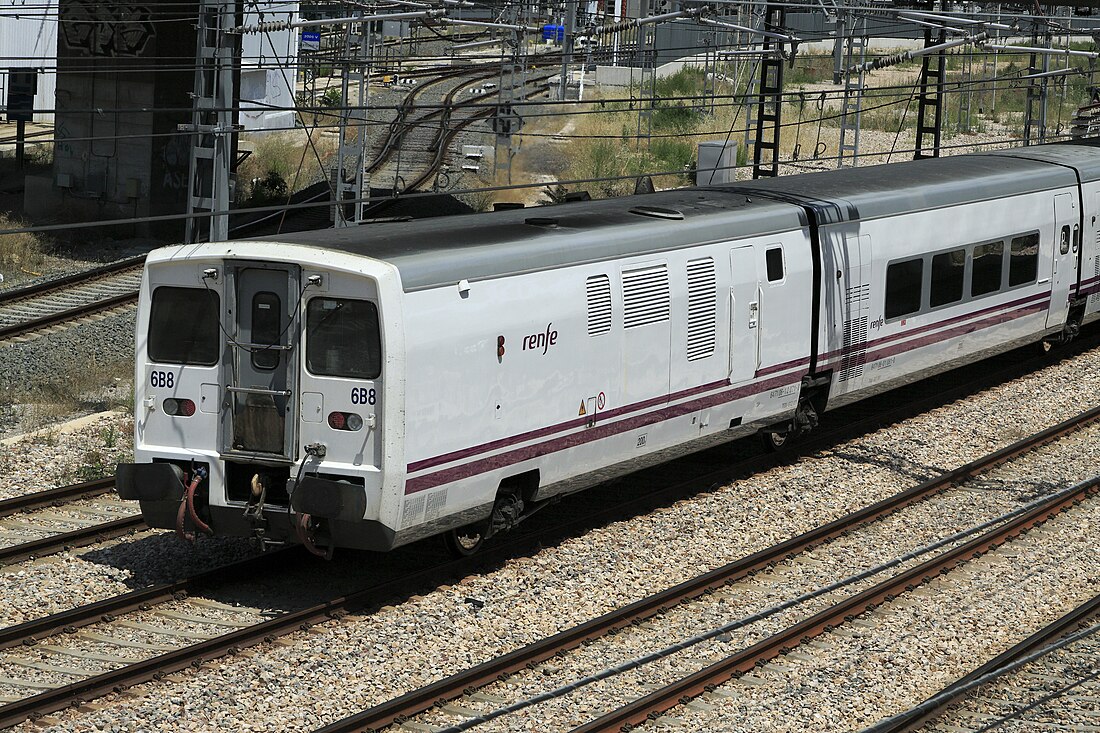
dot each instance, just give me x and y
(183, 326)
(342, 338)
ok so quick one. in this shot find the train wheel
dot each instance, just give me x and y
(775, 441)
(464, 541)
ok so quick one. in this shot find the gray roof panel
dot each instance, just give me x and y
(433, 252)
(441, 251)
(872, 192)
(1084, 156)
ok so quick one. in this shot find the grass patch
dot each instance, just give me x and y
(25, 251)
(94, 386)
(282, 163)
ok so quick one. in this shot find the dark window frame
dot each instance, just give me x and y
(962, 277)
(920, 289)
(768, 264)
(161, 333)
(311, 339)
(262, 358)
(972, 250)
(1038, 252)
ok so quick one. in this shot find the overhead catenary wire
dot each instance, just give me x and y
(553, 107)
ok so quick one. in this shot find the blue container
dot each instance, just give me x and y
(553, 33)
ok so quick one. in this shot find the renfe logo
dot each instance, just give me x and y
(541, 340)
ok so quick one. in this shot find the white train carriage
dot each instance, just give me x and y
(1084, 161)
(405, 383)
(368, 387)
(932, 264)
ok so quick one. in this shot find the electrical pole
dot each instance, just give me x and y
(212, 126)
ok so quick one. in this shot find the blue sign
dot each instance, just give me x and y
(314, 36)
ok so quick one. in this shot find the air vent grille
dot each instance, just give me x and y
(646, 297)
(702, 308)
(855, 349)
(599, 304)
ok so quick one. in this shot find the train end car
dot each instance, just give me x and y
(369, 387)
(232, 406)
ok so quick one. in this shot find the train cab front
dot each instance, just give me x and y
(259, 389)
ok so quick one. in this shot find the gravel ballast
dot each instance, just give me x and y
(340, 668)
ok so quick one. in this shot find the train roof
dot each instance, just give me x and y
(872, 192)
(434, 252)
(441, 251)
(1083, 156)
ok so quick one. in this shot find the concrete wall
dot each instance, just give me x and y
(110, 160)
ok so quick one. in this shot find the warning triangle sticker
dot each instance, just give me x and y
(582, 411)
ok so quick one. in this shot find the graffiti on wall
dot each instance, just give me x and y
(106, 29)
(175, 161)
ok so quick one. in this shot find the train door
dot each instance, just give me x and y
(1093, 274)
(1067, 237)
(852, 258)
(261, 353)
(744, 315)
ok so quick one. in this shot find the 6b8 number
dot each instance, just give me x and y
(162, 379)
(363, 396)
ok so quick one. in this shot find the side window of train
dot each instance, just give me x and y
(183, 326)
(598, 289)
(1063, 241)
(989, 263)
(773, 258)
(1023, 259)
(903, 287)
(702, 315)
(948, 270)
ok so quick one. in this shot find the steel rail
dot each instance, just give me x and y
(65, 540)
(915, 718)
(68, 621)
(9, 296)
(158, 666)
(396, 136)
(68, 315)
(401, 126)
(444, 137)
(455, 686)
(52, 497)
(694, 685)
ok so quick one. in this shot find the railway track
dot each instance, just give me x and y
(455, 691)
(449, 130)
(46, 522)
(427, 136)
(402, 125)
(92, 292)
(1059, 659)
(190, 633)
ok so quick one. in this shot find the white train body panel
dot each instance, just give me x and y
(368, 387)
(881, 349)
(577, 400)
